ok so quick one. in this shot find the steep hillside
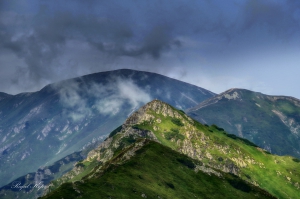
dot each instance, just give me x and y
(217, 151)
(39, 128)
(271, 122)
(148, 169)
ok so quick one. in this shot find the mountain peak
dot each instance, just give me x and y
(235, 94)
(155, 106)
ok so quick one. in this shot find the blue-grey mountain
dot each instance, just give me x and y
(39, 128)
(271, 122)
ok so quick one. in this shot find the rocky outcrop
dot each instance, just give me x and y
(293, 126)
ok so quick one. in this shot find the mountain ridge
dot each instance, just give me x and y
(212, 146)
(62, 118)
(137, 167)
(271, 122)
(221, 95)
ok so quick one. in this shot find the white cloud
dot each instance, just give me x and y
(108, 99)
(128, 90)
(109, 106)
(121, 90)
(70, 97)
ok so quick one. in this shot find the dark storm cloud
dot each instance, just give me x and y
(153, 44)
(279, 18)
(43, 37)
(40, 35)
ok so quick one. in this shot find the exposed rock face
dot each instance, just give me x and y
(156, 106)
(97, 154)
(234, 96)
(289, 122)
(207, 170)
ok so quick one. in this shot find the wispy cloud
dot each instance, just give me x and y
(71, 98)
(121, 91)
(82, 100)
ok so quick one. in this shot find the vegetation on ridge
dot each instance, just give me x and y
(217, 151)
(157, 171)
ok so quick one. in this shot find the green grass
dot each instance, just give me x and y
(87, 168)
(296, 160)
(157, 171)
(263, 171)
(211, 146)
(232, 136)
(114, 132)
(177, 121)
(174, 134)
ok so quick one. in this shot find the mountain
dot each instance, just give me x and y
(40, 128)
(4, 95)
(271, 122)
(36, 181)
(161, 152)
(156, 171)
(39, 178)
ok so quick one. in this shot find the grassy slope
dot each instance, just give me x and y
(271, 172)
(279, 175)
(157, 171)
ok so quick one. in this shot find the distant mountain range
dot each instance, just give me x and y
(39, 128)
(271, 122)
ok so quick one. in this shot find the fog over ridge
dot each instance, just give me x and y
(107, 99)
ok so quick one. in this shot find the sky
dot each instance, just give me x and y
(214, 44)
